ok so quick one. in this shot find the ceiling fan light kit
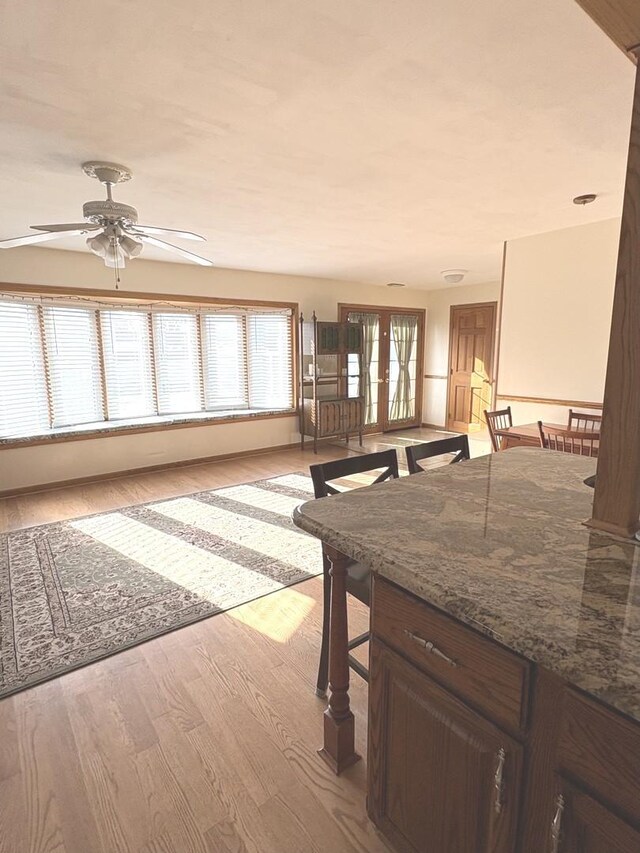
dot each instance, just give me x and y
(115, 235)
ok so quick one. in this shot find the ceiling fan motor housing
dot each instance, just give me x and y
(97, 211)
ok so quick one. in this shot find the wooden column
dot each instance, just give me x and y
(339, 743)
(616, 504)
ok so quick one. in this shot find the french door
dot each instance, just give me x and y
(392, 365)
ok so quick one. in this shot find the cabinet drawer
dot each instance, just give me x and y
(477, 669)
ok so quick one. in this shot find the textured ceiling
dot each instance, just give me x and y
(377, 141)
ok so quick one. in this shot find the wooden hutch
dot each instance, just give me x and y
(331, 400)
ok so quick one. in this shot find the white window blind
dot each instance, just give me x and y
(270, 361)
(224, 349)
(73, 364)
(177, 363)
(23, 394)
(67, 362)
(127, 364)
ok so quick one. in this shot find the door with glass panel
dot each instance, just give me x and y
(392, 360)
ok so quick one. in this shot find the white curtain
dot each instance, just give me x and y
(370, 324)
(404, 328)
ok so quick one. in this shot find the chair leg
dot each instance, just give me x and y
(323, 668)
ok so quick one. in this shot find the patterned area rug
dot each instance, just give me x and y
(76, 591)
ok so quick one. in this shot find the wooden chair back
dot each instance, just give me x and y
(324, 472)
(579, 441)
(458, 444)
(498, 419)
(583, 420)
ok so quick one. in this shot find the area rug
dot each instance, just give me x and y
(76, 591)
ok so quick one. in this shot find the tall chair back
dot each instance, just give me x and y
(581, 442)
(458, 444)
(584, 420)
(358, 580)
(324, 473)
(498, 419)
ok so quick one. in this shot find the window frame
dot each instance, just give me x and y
(154, 301)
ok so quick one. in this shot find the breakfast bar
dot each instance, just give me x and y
(504, 694)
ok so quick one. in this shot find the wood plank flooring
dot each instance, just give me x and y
(201, 741)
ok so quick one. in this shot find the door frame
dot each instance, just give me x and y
(345, 307)
(452, 308)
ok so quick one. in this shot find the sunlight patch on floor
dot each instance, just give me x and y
(294, 481)
(276, 616)
(282, 505)
(209, 576)
(290, 547)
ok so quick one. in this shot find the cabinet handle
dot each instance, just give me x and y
(428, 645)
(556, 825)
(498, 781)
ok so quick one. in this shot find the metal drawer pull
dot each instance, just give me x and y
(426, 644)
(498, 781)
(556, 825)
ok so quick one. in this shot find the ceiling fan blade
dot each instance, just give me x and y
(37, 238)
(169, 247)
(68, 226)
(185, 235)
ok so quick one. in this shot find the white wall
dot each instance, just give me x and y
(29, 466)
(437, 342)
(556, 315)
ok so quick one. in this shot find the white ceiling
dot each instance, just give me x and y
(375, 140)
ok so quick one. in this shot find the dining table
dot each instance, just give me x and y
(522, 435)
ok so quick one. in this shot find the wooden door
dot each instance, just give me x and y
(583, 825)
(471, 357)
(393, 392)
(441, 777)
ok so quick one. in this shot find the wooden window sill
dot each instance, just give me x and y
(140, 425)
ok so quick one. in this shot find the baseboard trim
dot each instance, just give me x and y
(434, 426)
(148, 469)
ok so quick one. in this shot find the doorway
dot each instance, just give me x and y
(392, 364)
(472, 334)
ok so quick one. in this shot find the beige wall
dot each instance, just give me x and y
(437, 342)
(556, 314)
(43, 464)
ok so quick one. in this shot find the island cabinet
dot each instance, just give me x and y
(474, 749)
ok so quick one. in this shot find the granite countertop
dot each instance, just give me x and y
(499, 543)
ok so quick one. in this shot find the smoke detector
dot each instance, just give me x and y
(453, 276)
(588, 198)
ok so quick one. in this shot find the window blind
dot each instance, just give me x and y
(177, 363)
(71, 352)
(224, 348)
(270, 359)
(64, 364)
(127, 364)
(24, 409)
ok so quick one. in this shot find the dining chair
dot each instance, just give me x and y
(358, 581)
(578, 441)
(583, 420)
(458, 444)
(498, 419)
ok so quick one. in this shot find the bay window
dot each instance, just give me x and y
(73, 365)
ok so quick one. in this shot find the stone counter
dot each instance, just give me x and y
(499, 543)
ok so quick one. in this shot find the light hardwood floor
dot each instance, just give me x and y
(201, 741)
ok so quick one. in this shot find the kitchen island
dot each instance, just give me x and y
(505, 658)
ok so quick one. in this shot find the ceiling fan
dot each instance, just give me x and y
(115, 233)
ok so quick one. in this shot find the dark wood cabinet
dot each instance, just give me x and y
(442, 777)
(583, 825)
(473, 749)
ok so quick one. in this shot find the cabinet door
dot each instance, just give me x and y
(583, 825)
(330, 338)
(330, 416)
(352, 414)
(442, 779)
(353, 337)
